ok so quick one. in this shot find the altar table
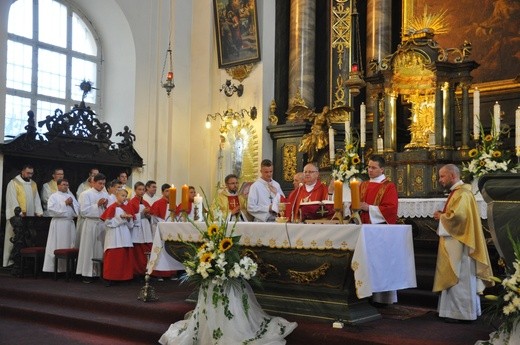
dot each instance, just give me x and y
(425, 207)
(382, 260)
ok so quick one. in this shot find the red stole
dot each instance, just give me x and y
(110, 212)
(135, 202)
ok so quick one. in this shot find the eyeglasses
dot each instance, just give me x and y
(310, 172)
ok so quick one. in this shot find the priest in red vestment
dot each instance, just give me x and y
(378, 195)
(311, 190)
(379, 206)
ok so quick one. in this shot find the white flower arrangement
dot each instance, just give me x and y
(347, 164)
(488, 157)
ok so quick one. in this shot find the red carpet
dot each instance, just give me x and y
(43, 311)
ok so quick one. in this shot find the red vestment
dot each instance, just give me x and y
(383, 195)
(319, 192)
(179, 209)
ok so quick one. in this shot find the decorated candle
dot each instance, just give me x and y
(185, 198)
(332, 153)
(362, 124)
(496, 119)
(347, 132)
(172, 198)
(338, 195)
(355, 193)
(476, 114)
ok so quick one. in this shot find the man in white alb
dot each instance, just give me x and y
(264, 195)
(92, 204)
(62, 206)
(150, 194)
(21, 191)
(86, 185)
(50, 188)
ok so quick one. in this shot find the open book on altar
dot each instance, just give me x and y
(316, 210)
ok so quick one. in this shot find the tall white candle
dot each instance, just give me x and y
(476, 114)
(332, 149)
(362, 124)
(347, 132)
(496, 119)
(380, 144)
(517, 128)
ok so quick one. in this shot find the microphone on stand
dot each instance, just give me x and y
(300, 185)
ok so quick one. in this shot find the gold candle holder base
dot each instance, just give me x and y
(355, 217)
(147, 292)
(338, 214)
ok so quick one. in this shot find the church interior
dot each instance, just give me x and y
(183, 93)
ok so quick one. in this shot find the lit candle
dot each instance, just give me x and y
(476, 114)
(338, 195)
(185, 198)
(169, 76)
(517, 130)
(496, 119)
(380, 145)
(355, 193)
(172, 198)
(362, 124)
(197, 200)
(347, 132)
(332, 152)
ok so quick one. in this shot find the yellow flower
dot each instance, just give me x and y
(202, 247)
(472, 153)
(206, 257)
(488, 137)
(212, 229)
(349, 147)
(482, 163)
(225, 244)
(356, 160)
(497, 154)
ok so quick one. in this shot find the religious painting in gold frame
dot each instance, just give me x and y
(236, 31)
(491, 26)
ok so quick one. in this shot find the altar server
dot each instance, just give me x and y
(51, 187)
(118, 257)
(62, 206)
(92, 204)
(463, 264)
(142, 230)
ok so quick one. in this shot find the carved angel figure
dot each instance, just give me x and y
(317, 139)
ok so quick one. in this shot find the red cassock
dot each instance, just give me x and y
(383, 195)
(118, 263)
(141, 250)
(319, 192)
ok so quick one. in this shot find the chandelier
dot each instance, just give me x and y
(231, 118)
(355, 81)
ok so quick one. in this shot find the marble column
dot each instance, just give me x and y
(379, 45)
(375, 124)
(439, 137)
(465, 116)
(301, 50)
(390, 140)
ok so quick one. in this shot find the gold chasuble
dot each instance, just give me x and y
(462, 221)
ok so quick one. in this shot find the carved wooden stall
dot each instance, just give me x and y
(75, 141)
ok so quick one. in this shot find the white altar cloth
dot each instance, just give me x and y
(422, 208)
(383, 256)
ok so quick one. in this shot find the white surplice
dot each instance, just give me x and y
(92, 232)
(260, 197)
(62, 230)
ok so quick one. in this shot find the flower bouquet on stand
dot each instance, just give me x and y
(347, 164)
(488, 157)
(227, 311)
(506, 305)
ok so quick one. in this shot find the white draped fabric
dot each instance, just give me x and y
(422, 208)
(383, 256)
(208, 323)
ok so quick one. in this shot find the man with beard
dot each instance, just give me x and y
(230, 203)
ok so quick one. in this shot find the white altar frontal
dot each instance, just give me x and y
(311, 264)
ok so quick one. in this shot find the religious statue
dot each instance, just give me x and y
(128, 137)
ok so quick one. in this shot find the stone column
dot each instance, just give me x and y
(390, 140)
(301, 50)
(465, 116)
(379, 45)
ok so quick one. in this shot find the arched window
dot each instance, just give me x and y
(51, 49)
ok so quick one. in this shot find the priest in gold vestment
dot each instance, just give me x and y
(463, 264)
(230, 202)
